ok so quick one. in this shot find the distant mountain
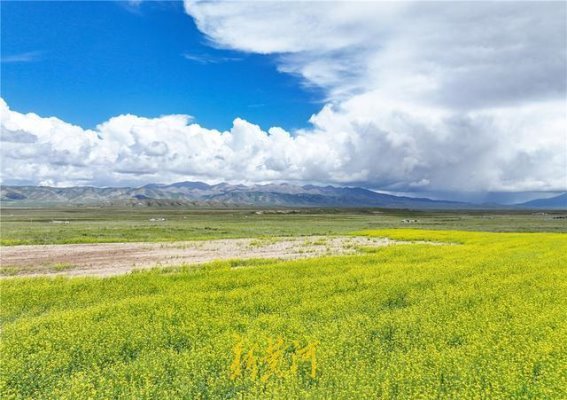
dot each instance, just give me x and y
(224, 195)
(557, 202)
(202, 194)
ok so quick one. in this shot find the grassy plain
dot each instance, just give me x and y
(104, 225)
(481, 318)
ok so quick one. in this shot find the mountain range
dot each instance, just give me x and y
(227, 195)
(557, 202)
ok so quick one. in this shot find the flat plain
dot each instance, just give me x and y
(481, 316)
(22, 226)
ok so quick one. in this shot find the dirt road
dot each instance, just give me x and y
(107, 259)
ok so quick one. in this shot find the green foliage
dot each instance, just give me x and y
(484, 318)
(60, 267)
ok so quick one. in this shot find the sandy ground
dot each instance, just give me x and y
(106, 259)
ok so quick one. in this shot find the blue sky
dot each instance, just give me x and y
(85, 62)
(456, 100)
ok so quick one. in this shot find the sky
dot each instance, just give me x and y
(85, 62)
(457, 100)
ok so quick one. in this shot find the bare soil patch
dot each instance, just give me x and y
(106, 259)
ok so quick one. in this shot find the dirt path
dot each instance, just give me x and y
(107, 259)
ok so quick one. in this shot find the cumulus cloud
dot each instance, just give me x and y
(455, 54)
(420, 97)
(435, 95)
(409, 149)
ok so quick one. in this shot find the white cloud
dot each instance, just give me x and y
(436, 95)
(208, 58)
(432, 97)
(30, 56)
(454, 53)
(408, 150)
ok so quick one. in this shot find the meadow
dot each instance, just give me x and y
(20, 226)
(481, 316)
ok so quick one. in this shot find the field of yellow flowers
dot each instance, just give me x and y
(482, 317)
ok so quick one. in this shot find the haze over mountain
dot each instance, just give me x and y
(557, 202)
(224, 194)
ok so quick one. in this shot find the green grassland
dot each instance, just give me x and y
(482, 317)
(98, 225)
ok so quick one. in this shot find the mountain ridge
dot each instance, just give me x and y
(556, 202)
(226, 195)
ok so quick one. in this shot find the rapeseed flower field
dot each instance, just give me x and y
(475, 316)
